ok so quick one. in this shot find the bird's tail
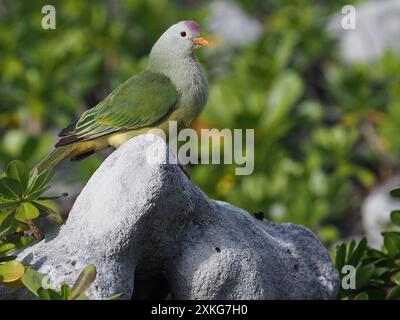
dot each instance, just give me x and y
(53, 158)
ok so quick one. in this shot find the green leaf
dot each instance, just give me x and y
(4, 215)
(340, 256)
(361, 296)
(9, 204)
(10, 188)
(32, 279)
(8, 225)
(43, 294)
(115, 296)
(376, 253)
(350, 250)
(54, 295)
(395, 217)
(24, 241)
(359, 251)
(35, 194)
(40, 181)
(391, 242)
(395, 193)
(396, 278)
(6, 247)
(279, 102)
(26, 211)
(7, 258)
(394, 294)
(84, 281)
(11, 271)
(65, 291)
(45, 210)
(17, 170)
(381, 271)
(363, 275)
(32, 178)
(389, 263)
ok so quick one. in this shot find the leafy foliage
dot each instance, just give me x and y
(43, 289)
(34, 281)
(21, 202)
(377, 272)
(21, 197)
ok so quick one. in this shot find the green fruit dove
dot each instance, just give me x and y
(172, 88)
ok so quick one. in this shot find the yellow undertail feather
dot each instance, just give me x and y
(82, 147)
(54, 157)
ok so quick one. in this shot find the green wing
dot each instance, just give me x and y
(142, 101)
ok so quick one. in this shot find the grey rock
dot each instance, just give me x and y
(377, 30)
(149, 229)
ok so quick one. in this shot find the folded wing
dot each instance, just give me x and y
(142, 101)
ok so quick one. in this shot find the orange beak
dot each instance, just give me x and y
(201, 42)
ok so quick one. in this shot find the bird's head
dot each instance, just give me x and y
(179, 40)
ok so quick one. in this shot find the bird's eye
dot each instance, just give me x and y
(183, 34)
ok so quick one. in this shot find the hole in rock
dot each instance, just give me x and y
(154, 287)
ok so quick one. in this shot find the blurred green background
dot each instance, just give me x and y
(325, 132)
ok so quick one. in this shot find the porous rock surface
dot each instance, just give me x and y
(149, 230)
